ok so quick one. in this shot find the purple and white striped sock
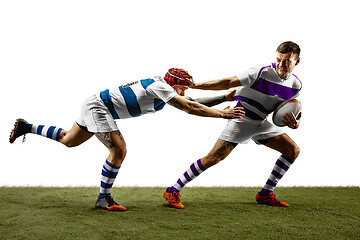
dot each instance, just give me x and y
(195, 170)
(51, 132)
(282, 165)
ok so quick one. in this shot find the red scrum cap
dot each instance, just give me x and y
(177, 77)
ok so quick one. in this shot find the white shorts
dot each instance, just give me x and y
(241, 131)
(95, 116)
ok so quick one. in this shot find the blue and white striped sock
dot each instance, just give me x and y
(195, 170)
(282, 165)
(46, 131)
(108, 176)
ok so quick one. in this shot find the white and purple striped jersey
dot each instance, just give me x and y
(263, 90)
(137, 98)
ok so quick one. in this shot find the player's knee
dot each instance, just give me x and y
(119, 152)
(293, 152)
(296, 152)
(70, 144)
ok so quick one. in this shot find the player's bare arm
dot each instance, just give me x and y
(201, 110)
(215, 100)
(175, 103)
(291, 121)
(220, 84)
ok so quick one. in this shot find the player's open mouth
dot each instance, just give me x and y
(282, 70)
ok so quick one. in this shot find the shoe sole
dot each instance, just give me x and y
(177, 207)
(283, 204)
(12, 138)
(118, 208)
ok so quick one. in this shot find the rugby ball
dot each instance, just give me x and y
(286, 107)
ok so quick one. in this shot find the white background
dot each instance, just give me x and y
(54, 54)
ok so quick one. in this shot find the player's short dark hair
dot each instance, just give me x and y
(289, 46)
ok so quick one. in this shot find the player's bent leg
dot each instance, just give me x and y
(75, 136)
(290, 151)
(285, 145)
(219, 152)
(117, 147)
(22, 127)
(116, 144)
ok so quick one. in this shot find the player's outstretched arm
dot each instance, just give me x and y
(220, 84)
(215, 100)
(200, 110)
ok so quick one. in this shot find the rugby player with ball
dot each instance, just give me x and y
(260, 90)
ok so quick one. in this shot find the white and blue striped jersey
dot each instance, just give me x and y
(137, 98)
(263, 90)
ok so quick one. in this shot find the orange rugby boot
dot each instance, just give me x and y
(270, 200)
(173, 199)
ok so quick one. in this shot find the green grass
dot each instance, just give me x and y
(210, 213)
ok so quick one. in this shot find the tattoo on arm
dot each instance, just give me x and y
(175, 103)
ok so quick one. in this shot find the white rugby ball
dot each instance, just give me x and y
(286, 107)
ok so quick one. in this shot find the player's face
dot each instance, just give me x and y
(285, 64)
(180, 90)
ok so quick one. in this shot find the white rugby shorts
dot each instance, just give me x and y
(241, 131)
(96, 117)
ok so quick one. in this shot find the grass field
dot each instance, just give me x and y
(210, 213)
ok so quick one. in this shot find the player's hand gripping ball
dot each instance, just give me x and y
(286, 107)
